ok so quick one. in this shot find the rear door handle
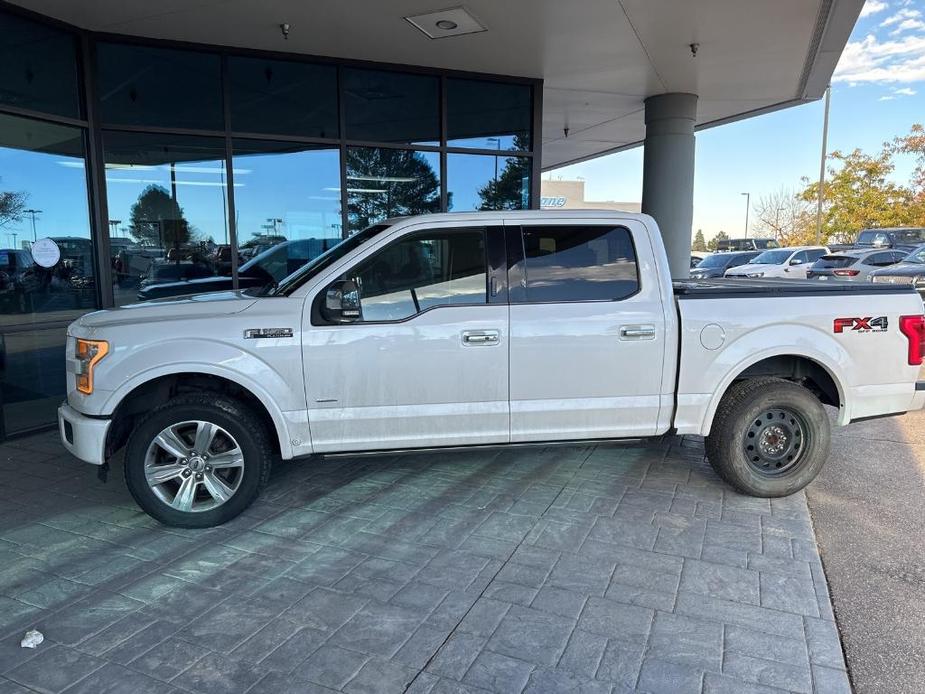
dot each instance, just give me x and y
(637, 332)
(481, 337)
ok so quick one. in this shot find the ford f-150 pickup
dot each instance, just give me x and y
(482, 329)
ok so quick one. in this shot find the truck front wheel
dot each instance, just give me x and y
(770, 437)
(197, 461)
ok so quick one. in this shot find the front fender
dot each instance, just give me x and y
(279, 388)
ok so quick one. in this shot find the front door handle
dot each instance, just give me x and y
(637, 332)
(481, 337)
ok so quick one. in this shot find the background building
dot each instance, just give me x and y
(170, 143)
(558, 194)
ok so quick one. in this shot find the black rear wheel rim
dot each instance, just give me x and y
(775, 441)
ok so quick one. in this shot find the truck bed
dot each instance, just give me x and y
(743, 288)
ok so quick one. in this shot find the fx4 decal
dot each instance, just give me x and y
(862, 325)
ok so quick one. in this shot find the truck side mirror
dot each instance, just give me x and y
(342, 302)
(796, 261)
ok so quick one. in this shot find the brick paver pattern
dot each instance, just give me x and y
(562, 569)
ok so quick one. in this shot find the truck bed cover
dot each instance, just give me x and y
(727, 288)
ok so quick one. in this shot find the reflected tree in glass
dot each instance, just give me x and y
(383, 183)
(507, 190)
(157, 219)
(12, 206)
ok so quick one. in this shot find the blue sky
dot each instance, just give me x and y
(878, 92)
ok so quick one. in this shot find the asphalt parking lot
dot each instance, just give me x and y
(586, 569)
(868, 508)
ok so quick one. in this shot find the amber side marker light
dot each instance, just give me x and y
(88, 353)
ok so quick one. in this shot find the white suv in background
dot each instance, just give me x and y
(788, 263)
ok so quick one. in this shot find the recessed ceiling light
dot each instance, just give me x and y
(454, 21)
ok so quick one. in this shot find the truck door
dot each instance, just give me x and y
(425, 361)
(587, 332)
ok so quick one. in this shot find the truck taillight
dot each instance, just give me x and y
(847, 273)
(913, 327)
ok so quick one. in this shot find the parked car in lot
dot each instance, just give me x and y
(902, 238)
(788, 263)
(852, 265)
(910, 270)
(482, 329)
(697, 257)
(726, 245)
(716, 264)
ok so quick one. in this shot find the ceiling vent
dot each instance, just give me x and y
(441, 24)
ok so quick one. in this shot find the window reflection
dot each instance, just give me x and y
(391, 107)
(141, 85)
(38, 67)
(488, 115)
(287, 201)
(43, 195)
(479, 182)
(384, 183)
(282, 97)
(168, 214)
(43, 205)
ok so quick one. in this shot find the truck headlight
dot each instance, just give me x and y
(88, 354)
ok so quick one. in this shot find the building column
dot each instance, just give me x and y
(668, 173)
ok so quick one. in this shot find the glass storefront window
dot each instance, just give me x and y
(43, 203)
(488, 115)
(287, 198)
(384, 183)
(281, 97)
(163, 87)
(393, 107)
(38, 67)
(484, 182)
(168, 214)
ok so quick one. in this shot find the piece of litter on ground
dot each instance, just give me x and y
(32, 639)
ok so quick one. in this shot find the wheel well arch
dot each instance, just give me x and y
(150, 394)
(799, 369)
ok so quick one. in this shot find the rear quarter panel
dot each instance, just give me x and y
(722, 337)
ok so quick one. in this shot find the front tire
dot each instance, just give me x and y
(197, 460)
(769, 438)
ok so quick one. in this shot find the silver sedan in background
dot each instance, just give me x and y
(853, 265)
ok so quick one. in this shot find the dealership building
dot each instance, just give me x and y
(143, 144)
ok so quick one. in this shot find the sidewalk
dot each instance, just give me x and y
(592, 569)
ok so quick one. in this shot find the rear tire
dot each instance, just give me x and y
(198, 460)
(769, 438)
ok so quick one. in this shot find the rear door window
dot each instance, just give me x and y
(880, 259)
(577, 263)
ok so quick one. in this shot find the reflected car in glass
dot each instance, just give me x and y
(266, 269)
(715, 265)
(911, 270)
(852, 265)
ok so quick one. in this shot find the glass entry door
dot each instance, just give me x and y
(47, 269)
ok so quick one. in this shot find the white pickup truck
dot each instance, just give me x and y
(482, 329)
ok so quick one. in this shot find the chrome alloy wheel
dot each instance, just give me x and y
(194, 466)
(775, 441)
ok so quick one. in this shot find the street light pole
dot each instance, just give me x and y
(748, 204)
(825, 137)
(33, 213)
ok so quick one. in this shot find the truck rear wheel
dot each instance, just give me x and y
(197, 460)
(770, 437)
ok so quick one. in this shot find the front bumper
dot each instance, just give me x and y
(83, 436)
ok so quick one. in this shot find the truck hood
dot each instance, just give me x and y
(748, 269)
(196, 306)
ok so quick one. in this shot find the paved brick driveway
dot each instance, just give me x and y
(585, 569)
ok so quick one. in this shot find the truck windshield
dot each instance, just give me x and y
(326, 259)
(917, 256)
(771, 257)
(717, 260)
